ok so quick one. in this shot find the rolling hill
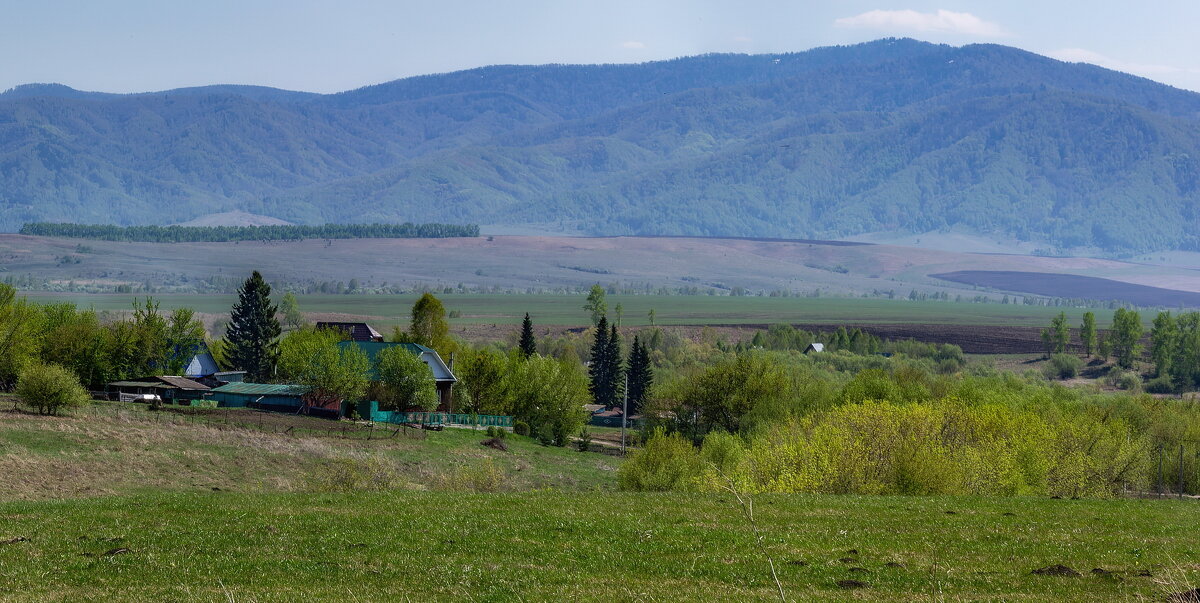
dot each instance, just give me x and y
(888, 136)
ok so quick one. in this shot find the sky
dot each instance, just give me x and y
(330, 46)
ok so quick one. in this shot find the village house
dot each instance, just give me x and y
(443, 376)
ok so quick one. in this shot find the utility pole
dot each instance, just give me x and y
(624, 411)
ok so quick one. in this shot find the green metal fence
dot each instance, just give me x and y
(443, 418)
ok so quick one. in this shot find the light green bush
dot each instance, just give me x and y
(666, 463)
(50, 388)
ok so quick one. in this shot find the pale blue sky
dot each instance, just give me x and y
(326, 46)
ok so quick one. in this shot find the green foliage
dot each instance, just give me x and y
(50, 388)
(253, 330)
(548, 395)
(1060, 334)
(667, 462)
(312, 357)
(1124, 336)
(293, 318)
(641, 375)
(521, 428)
(408, 382)
(1087, 333)
(584, 443)
(184, 338)
(429, 327)
(1063, 366)
(481, 375)
(606, 374)
(221, 234)
(19, 327)
(596, 306)
(527, 343)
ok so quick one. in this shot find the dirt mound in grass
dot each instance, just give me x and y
(1056, 570)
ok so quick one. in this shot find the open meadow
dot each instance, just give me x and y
(123, 505)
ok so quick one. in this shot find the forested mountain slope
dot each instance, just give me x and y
(889, 135)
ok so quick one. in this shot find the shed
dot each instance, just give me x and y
(442, 375)
(168, 387)
(267, 396)
(814, 347)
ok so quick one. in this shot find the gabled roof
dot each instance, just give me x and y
(441, 372)
(816, 347)
(202, 365)
(357, 331)
(262, 389)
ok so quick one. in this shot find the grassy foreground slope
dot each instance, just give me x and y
(124, 449)
(567, 546)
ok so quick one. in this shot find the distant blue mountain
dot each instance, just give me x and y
(889, 135)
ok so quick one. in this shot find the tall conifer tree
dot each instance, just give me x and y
(641, 375)
(616, 372)
(528, 343)
(598, 370)
(253, 330)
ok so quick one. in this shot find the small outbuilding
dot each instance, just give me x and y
(814, 348)
(268, 396)
(168, 388)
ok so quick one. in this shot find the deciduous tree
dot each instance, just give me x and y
(408, 382)
(334, 373)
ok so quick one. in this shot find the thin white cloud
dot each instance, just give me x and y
(633, 45)
(1150, 70)
(942, 21)
(743, 39)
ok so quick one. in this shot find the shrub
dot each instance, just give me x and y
(585, 440)
(50, 388)
(1063, 366)
(1130, 381)
(491, 431)
(665, 463)
(521, 428)
(1160, 385)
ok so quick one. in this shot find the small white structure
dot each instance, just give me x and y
(814, 347)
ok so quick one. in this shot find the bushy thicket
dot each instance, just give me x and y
(795, 425)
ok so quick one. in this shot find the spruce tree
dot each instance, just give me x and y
(598, 370)
(616, 373)
(528, 343)
(253, 330)
(641, 375)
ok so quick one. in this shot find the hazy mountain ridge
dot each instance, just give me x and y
(893, 134)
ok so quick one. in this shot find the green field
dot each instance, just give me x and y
(543, 546)
(387, 310)
(120, 503)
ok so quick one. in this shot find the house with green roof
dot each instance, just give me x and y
(443, 376)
